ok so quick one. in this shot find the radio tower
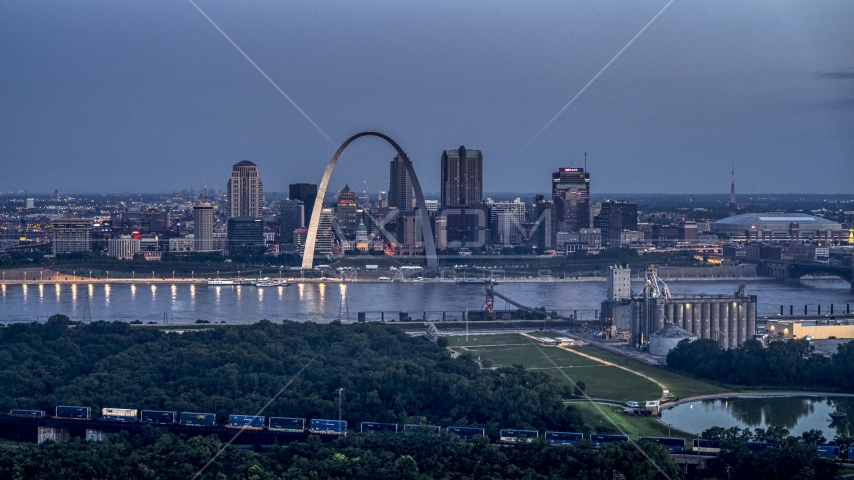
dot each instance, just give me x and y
(733, 206)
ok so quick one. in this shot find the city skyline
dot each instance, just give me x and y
(779, 97)
(475, 228)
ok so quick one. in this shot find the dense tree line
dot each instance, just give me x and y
(386, 375)
(783, 364)
(155, 454)
(795, 458)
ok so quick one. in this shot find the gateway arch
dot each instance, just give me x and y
(311, 239)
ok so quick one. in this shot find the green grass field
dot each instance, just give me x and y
(602, 381)
(608, 382)
(477, 340)
(679, 385)
(531, 356)
(634, 427)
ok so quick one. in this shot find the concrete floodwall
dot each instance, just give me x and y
(53, 434)
(96, 435)
(707, 273)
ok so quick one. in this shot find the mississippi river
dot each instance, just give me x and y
(182, 303)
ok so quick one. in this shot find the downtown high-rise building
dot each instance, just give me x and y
(245, 191)
(461, 199)
(400, 185)
(462, 177)
(291, 215)
(615, 217)
(307, 194)
(506, 219)
(571, 197)
(203, 219)
(325, 234)
(71, 235)
(346, 212)
(124, 247)
(246, 236)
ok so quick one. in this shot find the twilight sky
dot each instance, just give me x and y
(147, 96)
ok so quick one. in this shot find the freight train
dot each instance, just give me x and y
(339, 428)
(287, 424)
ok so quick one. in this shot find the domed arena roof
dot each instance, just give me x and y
(774, 222)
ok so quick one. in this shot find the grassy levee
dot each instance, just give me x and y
(606, 416)
(601, 381)
(679, 385)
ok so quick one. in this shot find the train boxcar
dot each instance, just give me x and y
(563, 438)
(328, 427)
(416, 428)
(759, 446)
(119, 414)
(26, 413)
(707, 445)
(599, 439)
(157, 416)
(195, 419)
(512, 436)
(828, 451)
(673, 444)
(376, 427)
(75, 413)
(284, 424)
(254, 422)
(467, 432)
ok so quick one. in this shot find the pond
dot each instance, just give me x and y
(795, 413)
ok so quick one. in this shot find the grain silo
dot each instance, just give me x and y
(728, 319)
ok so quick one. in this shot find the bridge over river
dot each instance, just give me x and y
(793, 271)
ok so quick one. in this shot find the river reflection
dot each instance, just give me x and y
(796, 413)
(322, 301)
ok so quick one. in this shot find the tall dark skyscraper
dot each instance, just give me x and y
(616, 216)
(245, 235)
(307, 193)
(400, 185)
(462, 177)
(571, 196)
(346, 212)
(290, 218)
